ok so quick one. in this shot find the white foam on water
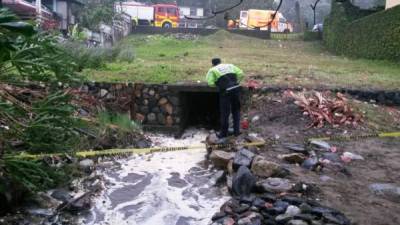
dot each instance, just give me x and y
(149, 199)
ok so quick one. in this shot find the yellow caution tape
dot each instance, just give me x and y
(355, 137)
(84, 154)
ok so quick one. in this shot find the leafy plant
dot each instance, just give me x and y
(52, 125)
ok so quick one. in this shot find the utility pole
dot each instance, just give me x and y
(314, 7)
(39, 12)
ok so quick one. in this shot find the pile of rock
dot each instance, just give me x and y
(262, 194)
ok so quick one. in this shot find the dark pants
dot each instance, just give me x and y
(230, 103)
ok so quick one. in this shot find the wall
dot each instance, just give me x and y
(161, 107)
(199, 31)
(392, 3)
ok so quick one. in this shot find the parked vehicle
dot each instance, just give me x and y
(256, 19)
(318, 27)
(158, 15)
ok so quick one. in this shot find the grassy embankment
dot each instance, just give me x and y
(295, 63)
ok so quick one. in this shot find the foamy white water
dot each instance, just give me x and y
(171, 188)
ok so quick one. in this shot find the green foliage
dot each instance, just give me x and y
(96, 12)
(41, 123)
(376, 36)
(312, 36)
(123, 122)
(96, 58)
(52, 126)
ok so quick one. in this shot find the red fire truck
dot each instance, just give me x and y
(158, 15)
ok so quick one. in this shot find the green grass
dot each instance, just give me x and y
(161, 59)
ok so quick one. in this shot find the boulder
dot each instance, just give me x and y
(61, 195)
(264, 168)
(163, 101)
(293, 158)
(275, 185)
(86, 164)
(297, 222)
(243, 182)
(220, 158)
(242, 158)
(386, 190)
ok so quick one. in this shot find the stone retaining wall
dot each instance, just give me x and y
(161, 107)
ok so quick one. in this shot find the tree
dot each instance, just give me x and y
(314, 7)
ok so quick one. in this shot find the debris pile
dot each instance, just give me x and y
(262, 192)
(322, 108)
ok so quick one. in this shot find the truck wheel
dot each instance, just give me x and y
(167, 25)
(286, 31)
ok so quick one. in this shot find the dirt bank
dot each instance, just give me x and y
(344, 189)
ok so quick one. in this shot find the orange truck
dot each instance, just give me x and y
(259, 19)
(158, 15)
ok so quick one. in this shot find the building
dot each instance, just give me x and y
(392, 3)
(55, 14)
(190, 11)
(192, 8)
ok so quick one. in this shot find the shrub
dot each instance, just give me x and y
(312, 36)
(363, 34)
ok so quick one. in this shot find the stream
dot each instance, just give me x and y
(168, 188)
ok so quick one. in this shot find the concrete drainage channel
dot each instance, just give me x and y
(161, 188)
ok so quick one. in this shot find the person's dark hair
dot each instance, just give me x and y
(216, 61)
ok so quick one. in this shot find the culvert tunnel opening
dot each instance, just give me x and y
(200, 110)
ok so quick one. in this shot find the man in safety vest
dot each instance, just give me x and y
(227, 78)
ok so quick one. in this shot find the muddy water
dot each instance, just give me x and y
(172, 188)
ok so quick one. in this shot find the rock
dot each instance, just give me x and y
(162, 101)
(217, 178)
(297, 222)
(264, 168)
(86, 164)
(80, 205)
(139, 117)
(212, 139)
(160, 118)
(220, 158)
(243, 182)
(242, 158)
(230, 167)
(103, 93)
(151, 92)
(336, 218)
(280, 206)
(310, 163)
(174, 100)
(169, 121)
(168, 108)
(295, 147)
(386, 190)
(275, 185)
(144, 109)
(218, 215)
(255, 119)
(259, 203)
(143, 143)
(283, 218)
(293, 158)
(44, 200)
(333, 157)
(151, 117)
(321, 144)
(241, 209)
(61, 195)
(348, 156)
(292, 210)
(40, 212)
